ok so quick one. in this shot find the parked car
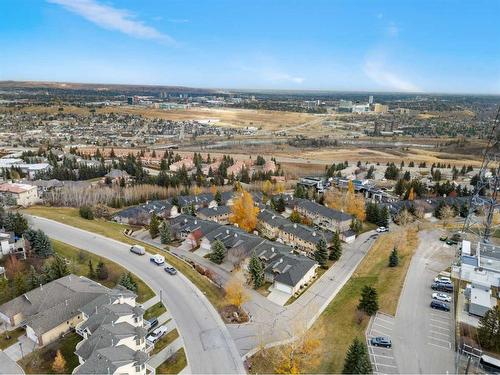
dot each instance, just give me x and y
(455, 239)
(442, 280)
(451, 242)
(440, 305)
(157, 334)
(382, 229)
(443, 238)
(442, 287)
(151, 323)
(157, 259)
(381, 341)
(443, 297)
(138, 249)
(170, 270)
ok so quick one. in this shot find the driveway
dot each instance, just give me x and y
(209, 347)
(423, 337)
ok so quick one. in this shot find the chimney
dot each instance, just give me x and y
(314, 233)
(66, 302)
(195, 222)
(227, 231)
(272, 249)
(41, 286)
(295, 225)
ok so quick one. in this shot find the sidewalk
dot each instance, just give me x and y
(166, 353)
(8, 366)
(16, 352)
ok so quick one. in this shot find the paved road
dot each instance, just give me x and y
(209, 347)
(423, 337)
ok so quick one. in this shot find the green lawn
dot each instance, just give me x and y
(155, 311)
(175, 364)
(12, 337)
(70, 216)
(79, 266)
(165, 341)
(40, 361)
(341, 322)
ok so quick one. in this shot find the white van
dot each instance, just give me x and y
(138, 249)
(157, 259)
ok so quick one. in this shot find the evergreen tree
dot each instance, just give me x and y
(336, 250)
(86, 212)
(218, 197)
(295, 217)
(489, 330)
(383, 219)
(357, 360)
(42, 245)
(256, 271)
(154, 226)
(102, 271)
(58, 268)
(394, 258)
(356, 225)
(369, 300)
(92, 274)
(218, 252)
(165, 233)
(127, 280)
(321, 253)
(34, 279)
(16, 223)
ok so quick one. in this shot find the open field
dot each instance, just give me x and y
(341, 322)
(112, 230)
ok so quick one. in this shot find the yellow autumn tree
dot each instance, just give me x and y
(356, 206)
(213, 189)
(235, 291)
(279, 188)
(196, 190)
(59, 364)
(411, 194)
(243, 212)
(347, 201)
(267, 187)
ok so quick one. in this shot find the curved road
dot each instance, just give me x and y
(208, 344)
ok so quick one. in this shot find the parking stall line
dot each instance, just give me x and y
(440, 346)
(383, 320)
(440, 316)
(439, 333)
(382, 356)
(380, 325)
(390, 366)
(435, 338)
(440, 321)
(439, 327)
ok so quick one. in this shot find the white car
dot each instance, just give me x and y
(443, 297)
(442, 280)
(382, 229)
(157, 334)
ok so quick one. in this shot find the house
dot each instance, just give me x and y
(114, 337)
(31, 170)
(270, 223)
(184, 227)
(52, 309)
(219, 214)
(141, 215)
(187, 163)
(19, 194)
(45, 186)
(323, 216)
(210, 167)
(116, 176)
(287, 272)
(317, 183)
(236, 168)
(11, 244)
(197, 201)
(348, 236)
(269, 166)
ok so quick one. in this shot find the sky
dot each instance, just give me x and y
(433, 46)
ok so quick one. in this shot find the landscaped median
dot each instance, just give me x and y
(70, 216)
(341, 321)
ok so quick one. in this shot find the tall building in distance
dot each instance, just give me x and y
(370, 99)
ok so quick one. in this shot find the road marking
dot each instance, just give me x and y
(440, 321)
(441, 316)
(387, 321)
(439, 327)
(380, 325)
(376, 330)
(439, 333)
(441, 340)
(440, 346)
(382, 356)
(381, 364)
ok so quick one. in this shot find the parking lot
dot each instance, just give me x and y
(382, 359)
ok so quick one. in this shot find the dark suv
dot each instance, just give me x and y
(382, 341)
(448, 288)
(440, 305)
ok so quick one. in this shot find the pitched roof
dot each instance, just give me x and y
(319, 209)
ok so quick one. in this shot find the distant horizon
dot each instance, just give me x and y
(443, 47)
(255, 90)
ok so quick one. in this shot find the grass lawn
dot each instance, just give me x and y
(155, 311)
(165, 341)
(175, 364)
(40, 361)
(70, 216)
(341, 322)
(13, 335)
(79, 266)
(319, 272)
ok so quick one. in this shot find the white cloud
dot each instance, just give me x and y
(375, 69)
(111, 18)
(392, 30)
(283, 77)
